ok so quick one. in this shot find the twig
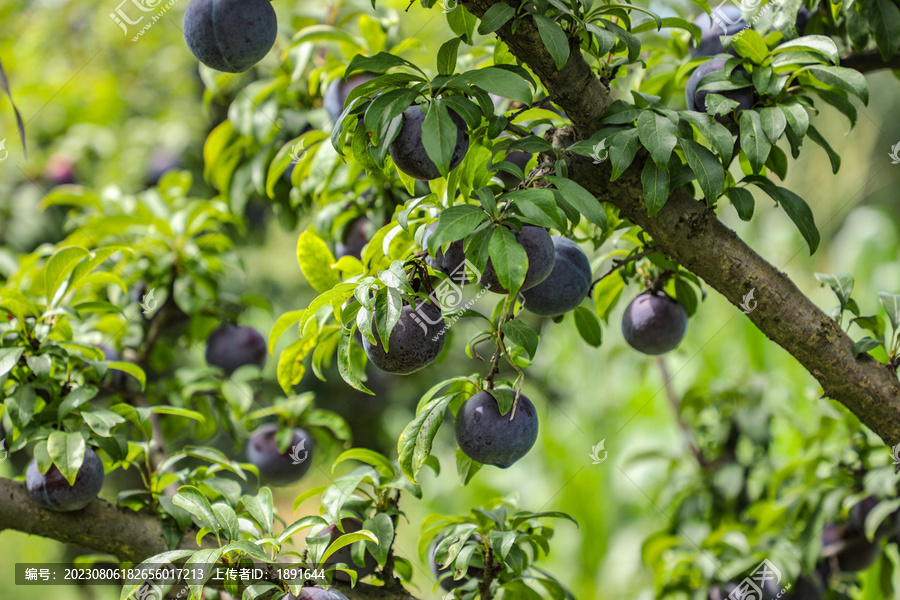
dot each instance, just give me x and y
(618, 263)
(676, 407)
(519, 131)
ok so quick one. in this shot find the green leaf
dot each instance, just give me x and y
(383, 528)
(607, 292)
(9, 357)
(773, 122)
(131, 586)
(177, 411)
(707, 168)
(262, 508)
(384, 109)
(865, 345)
(521, 334)
(281, 325)
(656, 187)
(67, 452)
(102, 421)
(60, 266)
(379, 63)
(192, 500)
(833, 156)
(509, 259)
(581, 199)
(750, 44)
(73, 400)
(446, 57)
(743, 202)
(658, 135)
(227, 520)
(754, 141)
(538, 205)
(840, 283)
(455, 223)
(717, 104)
(439, 134)
(817, 43)
(588, 325)
(795, 207)
(415, 442)
(891, 304)
(849, 80)
(884, 18)
(466, 467)
(495, 17)
(345, 366)
(622, 148)
(388, 305)
(554, 39)
(346, 540)
(379, 461)
(315, 262)
(501, 82)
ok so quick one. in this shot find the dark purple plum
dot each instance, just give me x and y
(161, 162)
(848, 548)
(60, 170)
(486, 436)
(230, 347)
(807, 587)
(53, 492)
(357, 234)
(448, 262)
(345, 554)
(725, 20)
(230, 35)
(337, 91)
(409, 154)
(445, 574)
(415, 341)
(566, 286)
(541, 254)
(654, 323)
(520, 159)
(280, 468)
(697, 100)
(803, 17)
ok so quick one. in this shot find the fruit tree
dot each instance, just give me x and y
(496, 212)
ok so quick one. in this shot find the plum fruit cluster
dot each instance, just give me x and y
(230, 347)
(415, 341)
(654, 323)
(230, 35)
(51, 490)
(486, 436)
(566, 285)
(344, 555)
(408, 151)
(276, 467)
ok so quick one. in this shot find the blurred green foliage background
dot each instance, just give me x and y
(111, 108)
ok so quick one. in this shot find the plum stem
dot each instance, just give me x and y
(618, 263)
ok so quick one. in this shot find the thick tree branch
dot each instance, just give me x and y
(869, 60)
(128, 535)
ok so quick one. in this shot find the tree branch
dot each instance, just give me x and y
(131, 536)
(866, 61)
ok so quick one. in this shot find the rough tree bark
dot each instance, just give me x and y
(692, 235)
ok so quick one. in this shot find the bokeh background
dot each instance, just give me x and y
(101, 110)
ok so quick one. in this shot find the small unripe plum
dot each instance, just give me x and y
(445, 262)
(566, 286)
(280, 468)
(337, 91)
(654, 323)
(409, 154)
(416, 340)
(711, 32)
(230, 347)
(230, 35)
(541, 254)
(345, 554)
(52, 491)
(486, 436)
(445, 574)
(357, 234)
(697, 100)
